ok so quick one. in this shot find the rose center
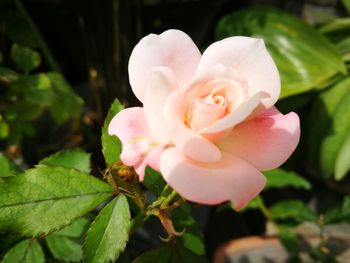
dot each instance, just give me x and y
(203, 112)
(216, 99)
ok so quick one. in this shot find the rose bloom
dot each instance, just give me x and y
(208, 122)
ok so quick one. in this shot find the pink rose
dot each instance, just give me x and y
(208, 123)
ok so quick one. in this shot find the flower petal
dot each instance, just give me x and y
(161, 83)
(236, 116)
(186, 140)
(172, 48)
(129, 125)
(250, 57)
(267, 141)
(152, 159)
(202, 114)
(199, 87)
(230, 178)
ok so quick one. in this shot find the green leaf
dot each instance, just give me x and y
(193, 242)
(35, 88)
(346, 4)
(75, 230)
(336, 25)
(192, 239)
(344, 48)
(73, 158)
(170, 254)
(1, 57)
(66, 244)
(336, 135)
(183, 255)
(19, 129)
(47, 198)
(109, 233)
(154, 181)
(111, 146)
(279, 178)
(25, 58)
(339, 214)
(27, 251)
(342, 164)
(66, 104)
(4, 129)
(255, 203)
(158, 255)
(7, 75)
(318, 254)
(64, 249)
(292, 209)
(295, 47)
(322, 110)
(289, 239)
(23, 110)
(16, 132)
(8, 241)
(338, 31)
(7, 167)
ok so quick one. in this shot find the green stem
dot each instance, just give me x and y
(165, 190)
(266, 213)
(44, 48)
(169, 198)
(322, 236)
(163, 200)
(265, 210)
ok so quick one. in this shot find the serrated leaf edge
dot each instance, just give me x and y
(65, 151)
(89, 229)
(43, 234)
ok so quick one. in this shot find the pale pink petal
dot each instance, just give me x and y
(202, 114)
(230, 178)
(172, 48)
(267, 141)
(250, 57)
(161, 83)
(129, 125)
(188, 141)
(202, 84)
(237, 115)
(152, 159)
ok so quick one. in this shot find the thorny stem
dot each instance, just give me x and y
(161, 208)
(168, 199)
(163, 201)
(44, 48)
(165, 190)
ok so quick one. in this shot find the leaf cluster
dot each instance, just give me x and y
(26, 92)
